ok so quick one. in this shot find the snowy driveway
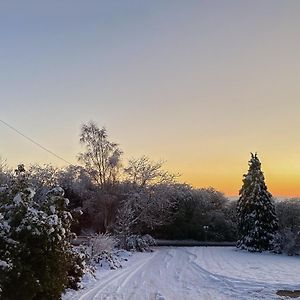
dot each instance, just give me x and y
(195, 273)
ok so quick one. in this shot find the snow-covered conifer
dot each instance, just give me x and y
(256, 212)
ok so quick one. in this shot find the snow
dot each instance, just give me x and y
(52, 209)
(195, 273)
(4, 264)
(3, 189)
(18, 199)
(31, 192)
(57, 191)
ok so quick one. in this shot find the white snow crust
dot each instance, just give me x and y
(194, 273)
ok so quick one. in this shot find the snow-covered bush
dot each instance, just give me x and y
(108, 260)
(102, 242)
(102, 248)
(288, 213)
(288, 242)
(34, 243)
(76, 270)
(100, 251)
(138, 243)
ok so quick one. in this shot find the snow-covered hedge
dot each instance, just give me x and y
(288, 242)
(102, 248)
(36, 255)
(102, 242)
(137, 243)
(103, 251)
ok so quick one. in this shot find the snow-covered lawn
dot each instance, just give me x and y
(195, 273)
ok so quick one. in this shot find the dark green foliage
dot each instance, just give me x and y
(36, 244)
(203, 215)
(288, 213)
(288, 241)
(288, 238)
(257, 221)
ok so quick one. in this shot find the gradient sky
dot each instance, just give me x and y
(199, 84)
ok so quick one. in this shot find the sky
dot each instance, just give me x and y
(198, 84)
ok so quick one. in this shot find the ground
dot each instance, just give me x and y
(195, 273)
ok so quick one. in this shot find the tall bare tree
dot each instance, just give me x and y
(142, 171)
(102, 158)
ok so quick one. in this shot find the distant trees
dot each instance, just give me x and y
(142, 172)
(145, 191)
(200, 214)
(148, 199)
(148, 207)
(288, 212)
(149, 196)
(101, 158)
(257, 221)
(102, 161)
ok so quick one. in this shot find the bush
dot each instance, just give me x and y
(138, 243)
(102, 242)
(203, 215)
(101, 251)
(34, 243)
(288, 242)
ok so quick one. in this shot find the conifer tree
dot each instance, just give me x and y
(257, 221)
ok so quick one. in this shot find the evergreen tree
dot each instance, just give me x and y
(35, 251)
(257, 221)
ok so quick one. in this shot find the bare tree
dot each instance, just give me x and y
(147, 208)
(102, 158)
(142, 171)
(149, 196)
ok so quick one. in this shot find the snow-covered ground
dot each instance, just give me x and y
(195, 273)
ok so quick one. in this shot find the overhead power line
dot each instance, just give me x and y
(33, 141)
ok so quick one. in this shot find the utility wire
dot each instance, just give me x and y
(34, 142)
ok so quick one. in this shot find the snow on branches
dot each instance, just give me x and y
(35, 242)
(256, 212)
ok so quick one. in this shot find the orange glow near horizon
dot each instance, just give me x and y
(281, 182)
(199, 84)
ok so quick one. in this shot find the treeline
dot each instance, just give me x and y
(140, 197)
(167, 210)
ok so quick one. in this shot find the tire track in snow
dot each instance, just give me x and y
(197, 274)
(232, 287)
(98, 289)
(131, 274)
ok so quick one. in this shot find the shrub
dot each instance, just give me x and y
(34, 242)
(138, 243)
(101, 251)
(288, 242)
(102, 242)
(102, 248)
